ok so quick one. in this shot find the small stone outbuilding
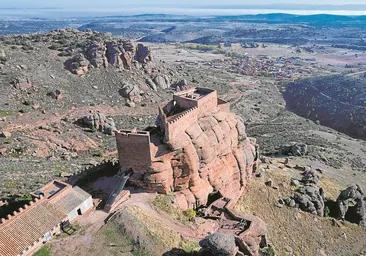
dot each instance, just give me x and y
(26, 230)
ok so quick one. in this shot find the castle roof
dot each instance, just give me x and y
(27, 226)
(72, 200)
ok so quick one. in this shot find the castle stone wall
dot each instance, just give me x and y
(134, 150)
(207, 103)
(181, 122)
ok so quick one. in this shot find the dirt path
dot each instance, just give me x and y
(142, 200)
(81, 243)
(35, 119)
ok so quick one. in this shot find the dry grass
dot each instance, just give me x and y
(331, 189)
(163, 203)
(293, 230)
(110, 241)
(161, 233)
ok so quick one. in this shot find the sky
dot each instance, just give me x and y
(156, 3)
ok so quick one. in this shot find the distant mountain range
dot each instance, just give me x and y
(327, 7)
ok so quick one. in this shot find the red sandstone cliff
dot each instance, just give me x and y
(213, 154)
(205, 150)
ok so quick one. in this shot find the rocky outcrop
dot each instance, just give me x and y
(117, 53)
(213, 154)
(294, 149)
(197, 148)
(79, 65)
(98, 121)
(310, 198)
(143, 54)
(114, 54)
(22, 83)
(353, 193)
(310, 177)
(162, 81)
(95, 53)
(131, 92)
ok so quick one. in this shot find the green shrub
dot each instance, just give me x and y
(53, 47)
(63, 54)
(44, 251)
(27, 48)
(189, 246)
(164, 203)
(190, 213)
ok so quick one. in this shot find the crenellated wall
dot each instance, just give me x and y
(87, 172)
(181, 122)
(22, 209)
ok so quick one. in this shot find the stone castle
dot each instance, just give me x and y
(198, 148)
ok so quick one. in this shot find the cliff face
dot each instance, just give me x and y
(214, 154)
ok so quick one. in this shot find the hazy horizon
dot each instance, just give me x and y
(39, 8)
(71, 4)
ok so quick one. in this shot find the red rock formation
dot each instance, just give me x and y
(95, 53)
(206, 150)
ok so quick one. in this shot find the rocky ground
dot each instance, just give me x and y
(42, 136)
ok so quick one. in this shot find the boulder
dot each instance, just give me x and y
(5, 134)
(99, 122)
(79, 65)
(310, 176)
(294, 149)
(22, 83)
(114, 54)
(151, 84)
(95, 53)
(57, 95)
(219, 244)
(143, 54)
(161, 82)
(310, 198)
(353, 193)
(131, 92)
(181, 85)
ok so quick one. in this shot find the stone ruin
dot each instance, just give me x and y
(355, 194)
(197, 148)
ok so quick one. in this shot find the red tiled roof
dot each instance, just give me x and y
(23, 229)
(71, 200)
